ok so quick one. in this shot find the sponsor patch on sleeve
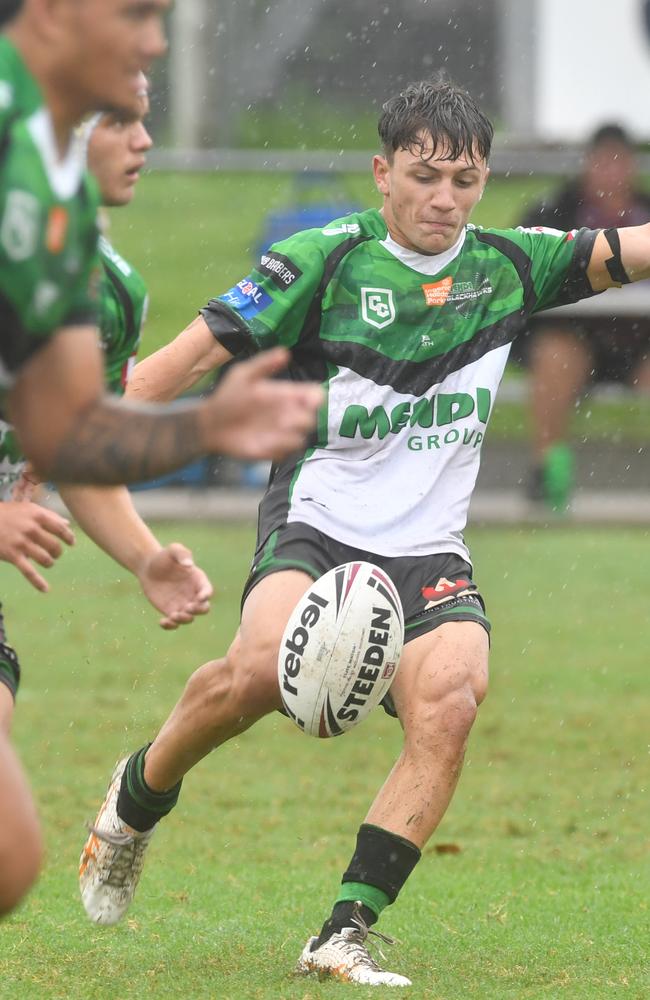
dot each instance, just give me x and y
(282, 271)
(247, 298)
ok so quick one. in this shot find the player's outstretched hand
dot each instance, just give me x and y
(253, 416)
(175, 586)
(31, 534)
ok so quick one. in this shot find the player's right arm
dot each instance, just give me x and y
(177, 366)
(267, 308)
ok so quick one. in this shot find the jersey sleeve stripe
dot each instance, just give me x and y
(576, 284)
(520, 261)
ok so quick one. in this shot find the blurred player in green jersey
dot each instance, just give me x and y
(117, 149)
(59, 61)
(81, 57)
(31, 534)
(407, 314)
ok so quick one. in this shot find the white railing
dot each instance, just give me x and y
(508, 159)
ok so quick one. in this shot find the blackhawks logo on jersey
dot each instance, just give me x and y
(377, 307)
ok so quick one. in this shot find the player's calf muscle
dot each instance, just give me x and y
(20, 839)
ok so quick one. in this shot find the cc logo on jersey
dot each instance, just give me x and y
(377, 307)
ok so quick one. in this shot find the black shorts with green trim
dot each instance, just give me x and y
(9, 665)
(433, 589)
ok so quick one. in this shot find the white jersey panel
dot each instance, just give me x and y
(398, 471)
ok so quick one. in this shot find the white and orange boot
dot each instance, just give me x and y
(344, 956)
(112, 859)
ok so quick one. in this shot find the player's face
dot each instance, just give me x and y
(117, 152)
(106, 45)
(427, 199)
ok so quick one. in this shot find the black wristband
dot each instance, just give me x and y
(614, 264)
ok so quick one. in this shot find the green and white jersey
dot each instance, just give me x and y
(123, 309)
(411, 349)
(48, 231)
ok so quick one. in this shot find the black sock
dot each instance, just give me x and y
(137, 804)
(382, 860)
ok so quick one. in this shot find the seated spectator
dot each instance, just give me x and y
(564, 356)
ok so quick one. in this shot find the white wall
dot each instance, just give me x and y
(592, 65)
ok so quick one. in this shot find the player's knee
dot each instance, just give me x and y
(458, 712)
(20, 863)
(441, 723)
(255, 674)
(238, 686)
(210, 686)
(479, 685)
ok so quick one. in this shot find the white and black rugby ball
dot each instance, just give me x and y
(341, 649)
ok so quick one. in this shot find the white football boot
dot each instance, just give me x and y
(111, 860)
(345, 957)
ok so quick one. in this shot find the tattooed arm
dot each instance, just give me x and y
(74, 433)
(114, 442)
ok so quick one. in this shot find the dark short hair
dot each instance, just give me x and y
(439, 110)
(9, 9)
(610, 132)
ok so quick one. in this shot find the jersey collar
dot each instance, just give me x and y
(424, 263)
(64, 173)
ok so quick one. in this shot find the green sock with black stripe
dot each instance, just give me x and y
(138, 805)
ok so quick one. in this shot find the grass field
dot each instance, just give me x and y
(547, 893)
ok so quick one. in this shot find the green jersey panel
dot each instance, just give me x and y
(20, 95)
(412, 349)
(123, 306)
(48, 241)
(123, 313)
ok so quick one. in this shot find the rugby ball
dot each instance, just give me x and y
(341, 649)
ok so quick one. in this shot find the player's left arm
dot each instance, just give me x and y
(620, 256)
